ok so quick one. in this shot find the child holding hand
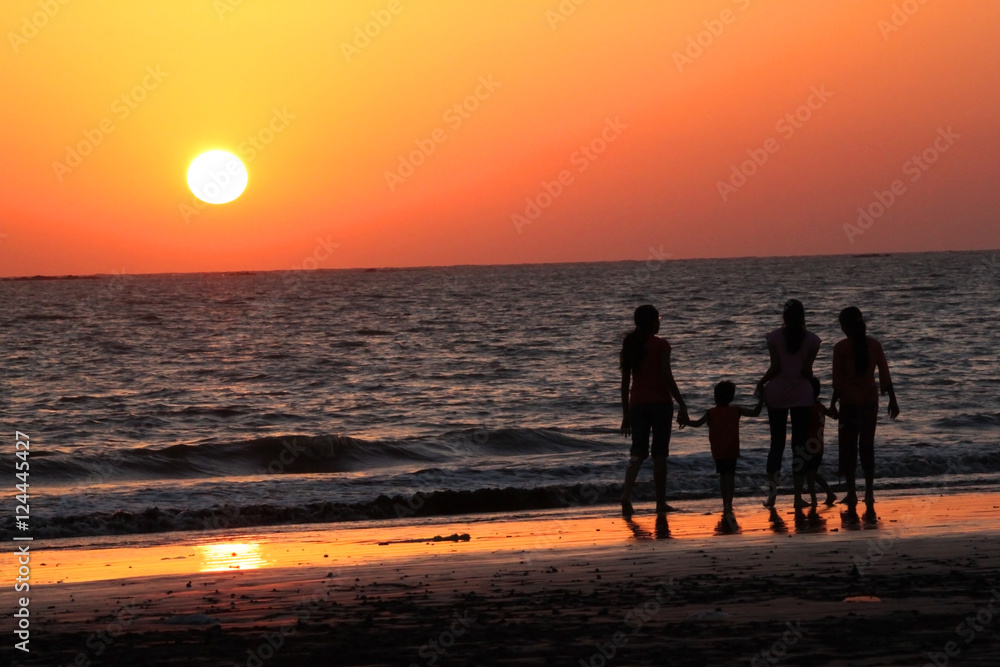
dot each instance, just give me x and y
(814, 446)
(724, 437)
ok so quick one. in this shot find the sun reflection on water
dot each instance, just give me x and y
(230, 556)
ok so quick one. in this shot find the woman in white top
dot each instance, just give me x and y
(787, 391)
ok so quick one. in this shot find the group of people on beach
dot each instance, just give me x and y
(791, 393)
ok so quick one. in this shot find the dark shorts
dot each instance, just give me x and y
(725, 466)
(646, 419)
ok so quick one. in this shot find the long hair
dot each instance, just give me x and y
(634, 342)
(794, 315)
(853, 324)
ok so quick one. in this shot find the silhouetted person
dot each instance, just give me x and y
(647, 389)
(815, 446)
(855, 359)
(793, 350)
(724, 437)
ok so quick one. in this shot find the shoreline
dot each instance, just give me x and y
(549, 588)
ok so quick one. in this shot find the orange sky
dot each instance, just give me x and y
(333, 114)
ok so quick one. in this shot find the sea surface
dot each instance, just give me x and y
(201, 401)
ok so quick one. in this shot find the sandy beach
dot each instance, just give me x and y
(554, 588)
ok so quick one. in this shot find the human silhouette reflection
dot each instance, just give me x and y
(849, 519)
(870, 518)
(661, 530)
(777, 523)
(638, 531)
(727, 525)
(809, 521)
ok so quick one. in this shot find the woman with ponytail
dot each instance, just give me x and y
(855, 359)
(788, 392)
(647, 390)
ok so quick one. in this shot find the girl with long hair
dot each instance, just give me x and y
(788, 393)
(855, 359)
(647, 391)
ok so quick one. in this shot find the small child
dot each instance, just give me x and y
(724, 437)
(814, 446)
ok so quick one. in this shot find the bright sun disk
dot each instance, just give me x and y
(217, 177)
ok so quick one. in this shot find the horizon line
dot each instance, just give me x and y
(65, 276)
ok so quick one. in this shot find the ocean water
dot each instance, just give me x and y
(198, 401)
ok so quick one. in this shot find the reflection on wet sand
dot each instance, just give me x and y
(230, 556)
(809, 522)
(342, 546)
(777, 523)
(851, 520)
(728, 525)
(661, 530)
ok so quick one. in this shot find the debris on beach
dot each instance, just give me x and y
(713, 615)
(192, 619)
(454, 537)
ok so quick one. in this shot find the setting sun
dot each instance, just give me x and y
(217, 177)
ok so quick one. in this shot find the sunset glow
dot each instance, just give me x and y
(472, 133)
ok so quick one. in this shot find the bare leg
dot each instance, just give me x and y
(660, 482)
(869, 489)
(797, 480)
(811, 482)
(772, 493)
(631, 472)
(727, 484)
(831, 497)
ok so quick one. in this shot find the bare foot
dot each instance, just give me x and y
(850, 499)
(801, 504)
(627, 509)
(770, 501)
(663, 508)
(831, 499)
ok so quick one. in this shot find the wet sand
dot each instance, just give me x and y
(549, 588)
